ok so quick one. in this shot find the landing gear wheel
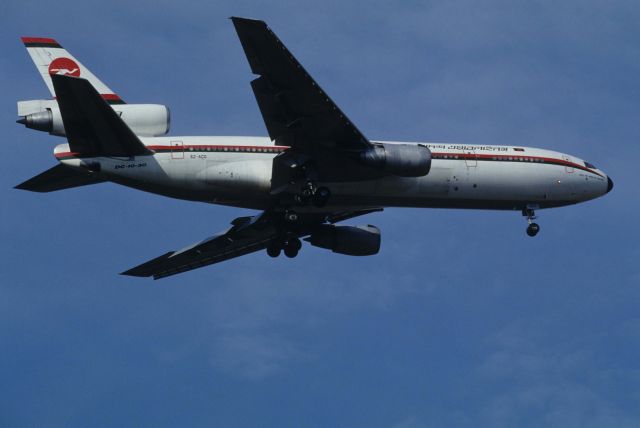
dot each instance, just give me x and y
(274, 249)
(533, 229)
(291, 216)
(292, 247)
(321, 197)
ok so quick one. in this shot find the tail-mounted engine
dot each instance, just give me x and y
(146, 120)
(402, 160)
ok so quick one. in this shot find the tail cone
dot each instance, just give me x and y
(41, 121)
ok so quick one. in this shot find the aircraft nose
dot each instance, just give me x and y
(609, 184)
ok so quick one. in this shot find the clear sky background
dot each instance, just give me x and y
(460, 321)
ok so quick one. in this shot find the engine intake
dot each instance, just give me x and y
(349, 240)
(403, 160)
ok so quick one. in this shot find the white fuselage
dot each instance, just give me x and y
(236, 171)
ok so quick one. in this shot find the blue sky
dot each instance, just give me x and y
(460, 321)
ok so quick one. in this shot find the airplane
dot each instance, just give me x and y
(314, 170)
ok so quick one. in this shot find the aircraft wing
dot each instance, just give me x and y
(298, 113)
(245, 236)
(295, 108)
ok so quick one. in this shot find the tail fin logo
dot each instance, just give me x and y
(65, 67)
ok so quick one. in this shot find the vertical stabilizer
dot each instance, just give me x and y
(51, 58)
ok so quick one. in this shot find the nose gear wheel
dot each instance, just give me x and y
(533, 228)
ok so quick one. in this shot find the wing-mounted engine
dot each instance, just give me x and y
(349, 240)
(402, 160)
(147, 120)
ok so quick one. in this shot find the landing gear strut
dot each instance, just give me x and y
(533, 228)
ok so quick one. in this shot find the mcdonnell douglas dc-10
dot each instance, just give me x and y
(314, 170)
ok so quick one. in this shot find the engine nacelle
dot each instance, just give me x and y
(146, 120)
(403, 160)
(350, 240)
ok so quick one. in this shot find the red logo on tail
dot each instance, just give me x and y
(64, 66)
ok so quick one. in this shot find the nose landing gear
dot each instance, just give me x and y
(532, 228)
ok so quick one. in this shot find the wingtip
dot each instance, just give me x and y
(130, 273)
(240, 19)
(22, 186)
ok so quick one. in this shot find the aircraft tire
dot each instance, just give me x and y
(274, 250)
(292, 248)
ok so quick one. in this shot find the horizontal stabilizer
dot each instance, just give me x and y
(92, 127)
(58, 178)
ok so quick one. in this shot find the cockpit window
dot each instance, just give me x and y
(589, 165)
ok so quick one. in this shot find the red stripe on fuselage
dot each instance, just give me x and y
(204, 147)
(511, 158)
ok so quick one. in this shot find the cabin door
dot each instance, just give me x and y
(177, 150)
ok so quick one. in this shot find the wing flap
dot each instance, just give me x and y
(58, 178)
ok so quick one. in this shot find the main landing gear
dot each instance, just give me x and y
(533, 228)
(290, 246)
(310, 193)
